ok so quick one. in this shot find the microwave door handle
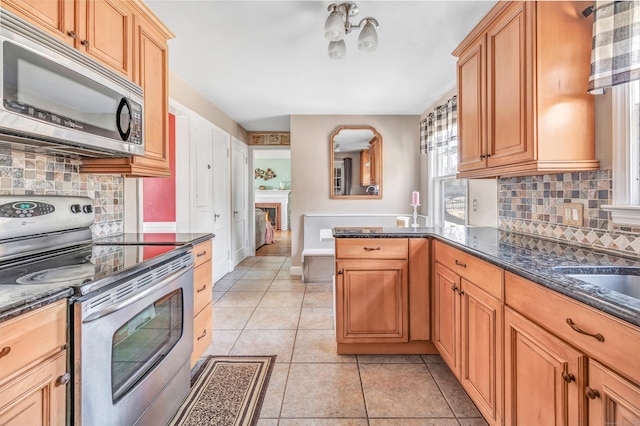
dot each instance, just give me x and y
(124, 133)
(138, 296)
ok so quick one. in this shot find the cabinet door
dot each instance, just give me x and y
(446, 331)
(37, 397)
(372, 302)
(472, 107)
(509, 87)
(54, 16)
(108, 34)
(481, 365)
(612, 399)
(544, 376)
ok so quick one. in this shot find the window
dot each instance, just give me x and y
(625, 209)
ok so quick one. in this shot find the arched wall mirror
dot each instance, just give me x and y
(356, 163)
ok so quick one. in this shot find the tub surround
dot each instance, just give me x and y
(527, 256)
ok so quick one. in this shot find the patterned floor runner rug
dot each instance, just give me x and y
(226, 391)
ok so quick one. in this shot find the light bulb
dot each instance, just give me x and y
(368, 39)
(337, 49)
(334, 27)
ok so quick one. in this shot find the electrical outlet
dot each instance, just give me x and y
(572, 214)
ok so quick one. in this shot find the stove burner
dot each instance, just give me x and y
(73, 274)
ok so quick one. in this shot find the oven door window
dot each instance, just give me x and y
(143, 341)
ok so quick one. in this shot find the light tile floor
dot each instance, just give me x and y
(259, 309)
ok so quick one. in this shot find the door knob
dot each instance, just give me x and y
(235, 212)
(216, 215)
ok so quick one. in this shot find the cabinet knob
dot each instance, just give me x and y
(454, 288)
(72, 34)
(591, 393)
(599, 337)
(341, 271)
(204, 333)
(85, 43)
(482, 156)
(63, 380)
(568, 377)
(5, 351)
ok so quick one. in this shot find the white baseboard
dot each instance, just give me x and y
(296, 271)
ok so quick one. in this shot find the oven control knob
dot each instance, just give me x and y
(75, 208)
(87, 208)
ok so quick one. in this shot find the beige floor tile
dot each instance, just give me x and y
(315, 287)
(267, 422)
(323, 422)
(390, 359)
(284, 274)
(473, 422)
(318, 300)
(275, 392)
(316, 319)
(266, 267)
(270, 259)
(222, 342)
(239, 299)
(323, 390)
(274, 319)
(236, 274)
(266, 342)
(402, 390)
(452, 390)
(217, 295)
(317, 346)
(413, 422)
(281, 299)
(231, 318)
(287, 285)
(247, 262)
(223, 285)
(260, 274)
(251, 285)
(432, 359)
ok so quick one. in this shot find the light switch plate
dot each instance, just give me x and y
(572, 214)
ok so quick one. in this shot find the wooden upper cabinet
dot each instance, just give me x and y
(57, 17)
(523, 105)
(151, 72)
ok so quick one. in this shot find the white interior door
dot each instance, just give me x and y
(221, 259)
(239, 190)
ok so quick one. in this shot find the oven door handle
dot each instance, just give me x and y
(139, 296)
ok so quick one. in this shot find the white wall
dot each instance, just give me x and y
(310, 174)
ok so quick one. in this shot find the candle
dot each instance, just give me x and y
(415, 198)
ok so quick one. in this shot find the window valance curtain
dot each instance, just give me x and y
(615, 58)
(440, 128)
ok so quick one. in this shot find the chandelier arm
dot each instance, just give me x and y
(364, 22)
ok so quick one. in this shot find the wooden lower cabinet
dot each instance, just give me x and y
(202, 300)
(613, 400)
(446, 311)
(544, 376)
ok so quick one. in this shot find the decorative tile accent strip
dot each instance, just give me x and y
(29, 173)
(533, 205)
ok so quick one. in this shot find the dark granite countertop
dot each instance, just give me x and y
(18, 299)
(530, 257)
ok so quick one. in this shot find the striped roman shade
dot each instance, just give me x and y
(615, 58)
(440, 127)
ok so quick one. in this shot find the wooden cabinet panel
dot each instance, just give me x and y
(446, 316)
(57, 17)
(202, 253)
(202, 287)
(372, 248)
(612, 399)
(202, 299)
(544, 376)
(481, 350)
(202, 333)
(419, 285)
(372, 301)
(37, 397)
(32, 336)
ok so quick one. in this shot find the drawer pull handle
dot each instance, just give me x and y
(372, 248)
(591, 393)
(464, 265)
(599, 337)
(204, 333)
(202, 253)
(5, 351)
(204, 287)
(63, 380)
(568, 377)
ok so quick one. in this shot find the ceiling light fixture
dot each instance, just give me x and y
(337, 26)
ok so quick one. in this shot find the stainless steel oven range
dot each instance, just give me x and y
(131, 337)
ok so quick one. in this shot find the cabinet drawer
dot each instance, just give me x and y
(32, 336)
(372, 248)
(484, 275)
(202, 294)
(621, 344)
(202, 333)
(201, 253)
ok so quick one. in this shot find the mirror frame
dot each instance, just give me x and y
(378, 163)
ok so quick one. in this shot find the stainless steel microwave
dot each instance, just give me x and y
(57, 99)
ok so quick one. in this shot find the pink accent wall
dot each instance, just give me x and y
(159, 194)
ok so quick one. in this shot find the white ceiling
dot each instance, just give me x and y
(262, 61)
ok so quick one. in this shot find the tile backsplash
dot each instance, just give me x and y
(533, 205)
(29, 173)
